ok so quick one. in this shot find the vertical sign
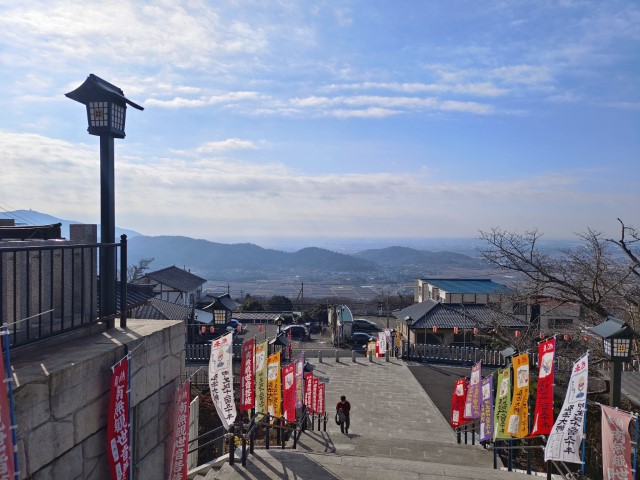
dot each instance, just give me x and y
(486, 409)
(308, 394)
(118, 422)
(457, 403)
(7, 468)
(567, 433)
(300, 381)
(543, 412)
(518, 417)
(247, 386)
(221, 379)
(261, 377)
(314, 397)
(289, 392)
(616, 444)
(472, 403)
(382, 343)
(180, 442)
(502, 403)
(274, 398)
(321, 399)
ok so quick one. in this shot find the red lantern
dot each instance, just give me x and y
(518, 333)
(435, 329)
(203, 329)
(455, 330)
(212, 329)
(260, 328)
(239, 328)
(475, 330)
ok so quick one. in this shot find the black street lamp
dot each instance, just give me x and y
(617, 339)
(106, 113)
(408, 320)
(279, 323)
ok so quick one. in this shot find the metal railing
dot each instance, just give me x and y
(49, 289)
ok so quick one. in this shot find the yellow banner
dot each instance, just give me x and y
(517, 424)
(261, 377)
(274, 386)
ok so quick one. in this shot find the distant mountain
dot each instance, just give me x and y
(421, 258)
(218, 260)
(31, 218)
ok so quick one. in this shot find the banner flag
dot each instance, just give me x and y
(321, 399)
(300, 381)
(274, 386)
(261, 377)
(118, 440)
(486, 409)
(616, 444)
(472, 402)
(563, 443)
(518, 417)
(457, 403)
(314, 394)
(221, 379)
(382, 343)
(180, 438)
(543, 412)
(7, 467)
(502, 403)
(308, 393)
(289, 392)
(247, 376)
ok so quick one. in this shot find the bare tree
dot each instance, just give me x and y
(134, 272)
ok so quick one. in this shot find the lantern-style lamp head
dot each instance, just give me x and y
(106, 106)
(279, 321)
(408, 320)
(616, 338)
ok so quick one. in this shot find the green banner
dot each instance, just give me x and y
(261, 377)
(503, 400)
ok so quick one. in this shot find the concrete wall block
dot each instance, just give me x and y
(178, 339)
(32, 405)
(152, 465)
(170, 368)
(156, 347)
(145, 383)
(91, 418)
(66, 401)
(146, 438)
(147, 410)
(67, 467)
(166, 409)
(46, 443)
(22, 460)
(96, 466)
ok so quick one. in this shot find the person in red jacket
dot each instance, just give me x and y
(343, 408)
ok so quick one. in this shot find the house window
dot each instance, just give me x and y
(560, 322)
(435, 293)
(520, 308)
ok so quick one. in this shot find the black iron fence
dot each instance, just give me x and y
(51, 288)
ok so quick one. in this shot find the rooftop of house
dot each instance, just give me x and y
(467, 285)
(176, 278)
(156, 309)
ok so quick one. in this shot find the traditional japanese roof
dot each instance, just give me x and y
(260, 317)
(177, 278)
(467, 285)
(223, 302)
(429, 314)
(156, 309)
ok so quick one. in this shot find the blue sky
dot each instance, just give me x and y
(328, 119)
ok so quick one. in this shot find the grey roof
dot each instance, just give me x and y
(177, 278)
(256, 316)
(467, 285)
(224, 301)
(156, 309)
(429, 314)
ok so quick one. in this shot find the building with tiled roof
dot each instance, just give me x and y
(175, 285)
(460, 290)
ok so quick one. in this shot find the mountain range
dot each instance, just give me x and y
(247, 261)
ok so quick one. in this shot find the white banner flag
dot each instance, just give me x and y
(566, 435)
(382, 343)
(221, 379)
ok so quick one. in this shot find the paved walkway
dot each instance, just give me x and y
(396, 432)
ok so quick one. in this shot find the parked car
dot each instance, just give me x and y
(234, 324)
(359, 340)
(363, 325)
(314, 327)
(299, 332)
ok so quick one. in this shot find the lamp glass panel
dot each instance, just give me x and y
(621, 347)
(219, 315)
(607, 347)
(117, 117)
(99, 114)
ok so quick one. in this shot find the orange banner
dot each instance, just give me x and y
(517, 424)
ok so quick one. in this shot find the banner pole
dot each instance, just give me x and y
(131, 445)
(584, 439)
(5, 333)
(635, 451)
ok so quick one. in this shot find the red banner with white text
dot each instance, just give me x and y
(180, 442)
(457, 403)
(616, 444)
(308, 391)
(289, 392)
(118, 422)
(321, 398)
(247, 384)
(543, 413)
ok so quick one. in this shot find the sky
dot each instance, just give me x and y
(266, 120)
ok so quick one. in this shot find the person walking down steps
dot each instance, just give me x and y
(343, 409)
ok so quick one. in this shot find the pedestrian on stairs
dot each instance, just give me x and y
(343, 409)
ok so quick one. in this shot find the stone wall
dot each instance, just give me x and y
(61, 393)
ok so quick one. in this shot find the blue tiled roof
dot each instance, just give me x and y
(462, 285)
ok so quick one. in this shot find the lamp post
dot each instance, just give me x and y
(408, 320)
(106, 113)
(617, 337)
(279, 324)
